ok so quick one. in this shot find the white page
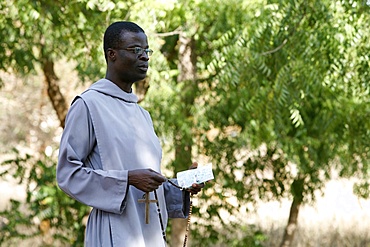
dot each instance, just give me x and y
(200, 175)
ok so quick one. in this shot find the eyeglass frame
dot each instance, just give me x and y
(138, 50)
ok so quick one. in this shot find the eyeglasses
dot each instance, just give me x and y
(139, 50)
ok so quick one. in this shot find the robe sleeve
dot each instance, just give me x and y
(79, 169)
(177, 201)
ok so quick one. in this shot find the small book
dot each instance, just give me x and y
(199, 175)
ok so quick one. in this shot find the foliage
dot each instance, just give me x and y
(34, 31)
(47, 207)
(278, 84)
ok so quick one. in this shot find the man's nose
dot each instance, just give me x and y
(144, 56)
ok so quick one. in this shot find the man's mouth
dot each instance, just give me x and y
(143, 68)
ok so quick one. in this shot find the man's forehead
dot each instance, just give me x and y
(128, 38)
(132, 35)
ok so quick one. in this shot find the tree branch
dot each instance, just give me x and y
(175, 32)
(276, 49)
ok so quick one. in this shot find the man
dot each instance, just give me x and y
(110, 155)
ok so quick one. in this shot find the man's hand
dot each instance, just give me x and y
(146, 180)
(195, 188)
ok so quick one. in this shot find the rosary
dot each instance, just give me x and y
(185, 180)
(147, 202)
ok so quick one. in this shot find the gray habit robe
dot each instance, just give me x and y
(106, 134)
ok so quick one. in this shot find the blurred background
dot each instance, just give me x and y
(275, 94)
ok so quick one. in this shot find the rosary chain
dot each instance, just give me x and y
(188, 223)
(175, 184)
(160, 216)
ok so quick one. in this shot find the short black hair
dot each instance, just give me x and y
(112, 36)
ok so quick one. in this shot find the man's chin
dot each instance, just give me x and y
(142, 76)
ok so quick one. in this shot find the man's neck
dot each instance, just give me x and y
(127, 87)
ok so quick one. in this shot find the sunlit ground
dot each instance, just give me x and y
(337, 219)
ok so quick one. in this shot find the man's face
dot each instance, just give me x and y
(129, 66)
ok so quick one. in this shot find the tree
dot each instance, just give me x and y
(295, 92)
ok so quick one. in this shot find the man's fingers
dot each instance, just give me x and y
(196, 188)
(160, 178)
(194, 165)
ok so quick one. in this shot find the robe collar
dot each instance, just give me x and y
(107, 87)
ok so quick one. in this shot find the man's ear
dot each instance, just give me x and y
(111, 54)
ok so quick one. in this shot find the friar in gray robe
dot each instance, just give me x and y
(110, 155)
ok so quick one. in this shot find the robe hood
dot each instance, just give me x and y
(107, 87)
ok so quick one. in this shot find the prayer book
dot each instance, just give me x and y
(199, 175)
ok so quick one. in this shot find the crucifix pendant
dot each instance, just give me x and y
(147, 201)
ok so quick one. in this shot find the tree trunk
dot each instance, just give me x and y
(290, 229)
(141, 88)
(56, 97)
(292, 225)
(178, 228)
(187, 75)
(183, 141)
